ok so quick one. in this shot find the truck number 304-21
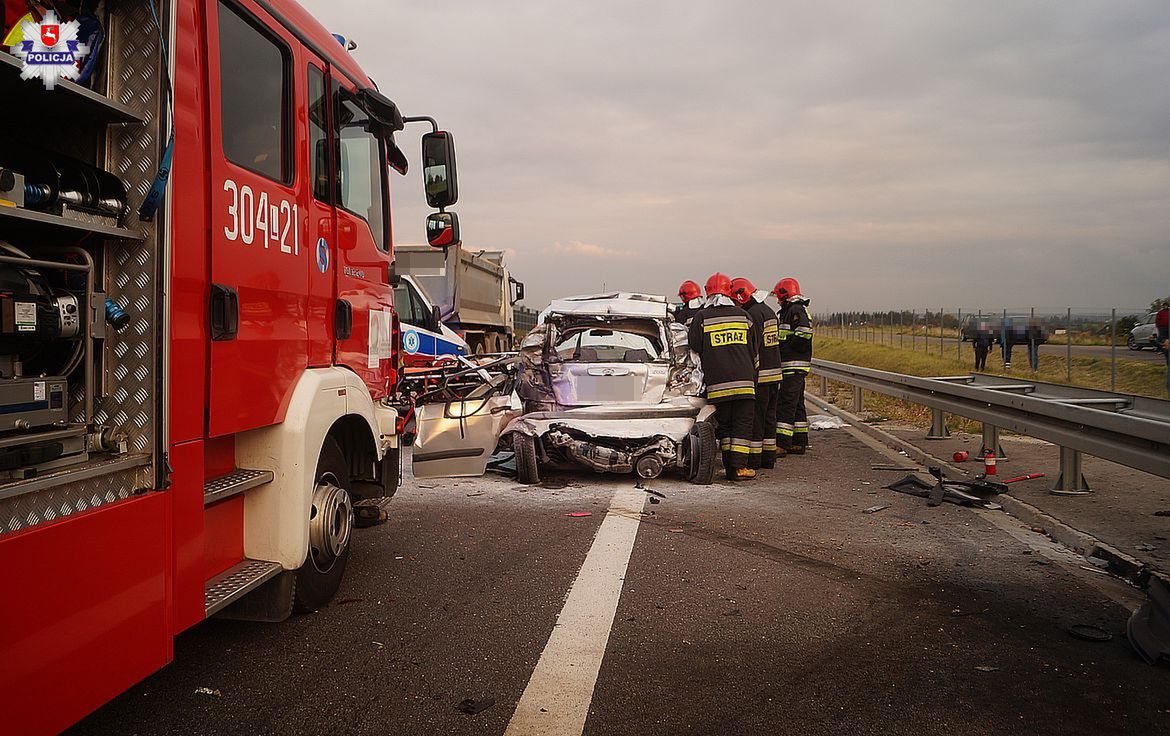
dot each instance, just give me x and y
(251, 217)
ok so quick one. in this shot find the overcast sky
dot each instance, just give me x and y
(974, 154)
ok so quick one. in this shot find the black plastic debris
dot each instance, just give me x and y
(975, 492)
(1148, 629)
(1088, 632)
(503, 462)
(472, 707)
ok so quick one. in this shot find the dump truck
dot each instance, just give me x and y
(472, 289)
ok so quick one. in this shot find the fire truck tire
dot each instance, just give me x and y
(527, 470)
(330, 526)
(702, 451)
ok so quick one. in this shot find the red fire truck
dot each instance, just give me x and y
(194, 388)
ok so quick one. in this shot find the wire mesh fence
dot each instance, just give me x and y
(1044, 341)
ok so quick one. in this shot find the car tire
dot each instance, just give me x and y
(330, 527)
(702, 453)
(1132, 344)
(527, 468)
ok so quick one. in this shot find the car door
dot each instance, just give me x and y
(258, 217)
(457, 438)
(362, 215)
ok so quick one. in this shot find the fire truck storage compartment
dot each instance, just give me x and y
(80, 278)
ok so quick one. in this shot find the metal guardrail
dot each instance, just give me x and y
(1122, 428)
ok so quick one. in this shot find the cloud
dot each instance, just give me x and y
(887, 154)
(588, 250)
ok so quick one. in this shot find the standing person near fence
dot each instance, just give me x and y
(745, 294)
(982, 341)
(1162, 323)
(796, 335)
(728, 346)
(1037, 336)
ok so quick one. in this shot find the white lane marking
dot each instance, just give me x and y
(556, 701)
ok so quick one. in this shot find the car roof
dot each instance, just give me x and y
(610, 304)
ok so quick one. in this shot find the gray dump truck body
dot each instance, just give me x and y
(472, 289)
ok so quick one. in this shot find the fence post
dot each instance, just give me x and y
(901, 331)
(1113, 349)
(913, 328)
(959, 336)
(1068, 344)
(940, 332)
(1003, 340)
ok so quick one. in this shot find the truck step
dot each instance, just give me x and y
(237, 481)
(232, 584)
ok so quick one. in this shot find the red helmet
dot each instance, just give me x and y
(742, 290)
(718, 284)
(786, 289)
(688, 291)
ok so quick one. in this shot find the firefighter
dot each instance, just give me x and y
(692, 300)
(745, 294)
(795, 362)
(728, 346)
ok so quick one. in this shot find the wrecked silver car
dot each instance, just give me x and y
(603, 381)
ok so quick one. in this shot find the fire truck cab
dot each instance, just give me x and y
(192, 397)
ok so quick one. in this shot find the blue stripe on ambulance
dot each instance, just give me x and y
(417, 341)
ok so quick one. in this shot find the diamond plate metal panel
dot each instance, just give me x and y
(21, 512)
(131, 277)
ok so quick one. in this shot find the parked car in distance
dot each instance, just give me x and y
(1144, 334)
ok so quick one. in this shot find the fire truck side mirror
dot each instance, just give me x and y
(442, 229)
(439, 179)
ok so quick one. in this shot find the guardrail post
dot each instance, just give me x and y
(824, 386)
(856, 399)
(1071, 481)
(991, 442)
(938, 426)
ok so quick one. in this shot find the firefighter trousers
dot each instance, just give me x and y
(791, 417)
(764, 426)
(734, 427)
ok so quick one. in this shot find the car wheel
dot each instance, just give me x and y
(1132, 344)
(702, 450)
(330, 525)
(527, 470)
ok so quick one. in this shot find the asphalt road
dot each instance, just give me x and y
(775, 606)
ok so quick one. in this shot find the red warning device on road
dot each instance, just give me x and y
(989, 463)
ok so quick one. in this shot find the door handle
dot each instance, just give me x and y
(342, 319)
(224, 314)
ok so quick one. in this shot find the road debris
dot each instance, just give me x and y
(579, 514)
(987, 668)
(1088, 632)
(1145, 547)
(208, 691)
(370, 512)
(874, 509)
(1165, 512)
(472, 707)
(824, 421)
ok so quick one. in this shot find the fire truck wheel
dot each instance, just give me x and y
(527, 470)
(330, 524)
